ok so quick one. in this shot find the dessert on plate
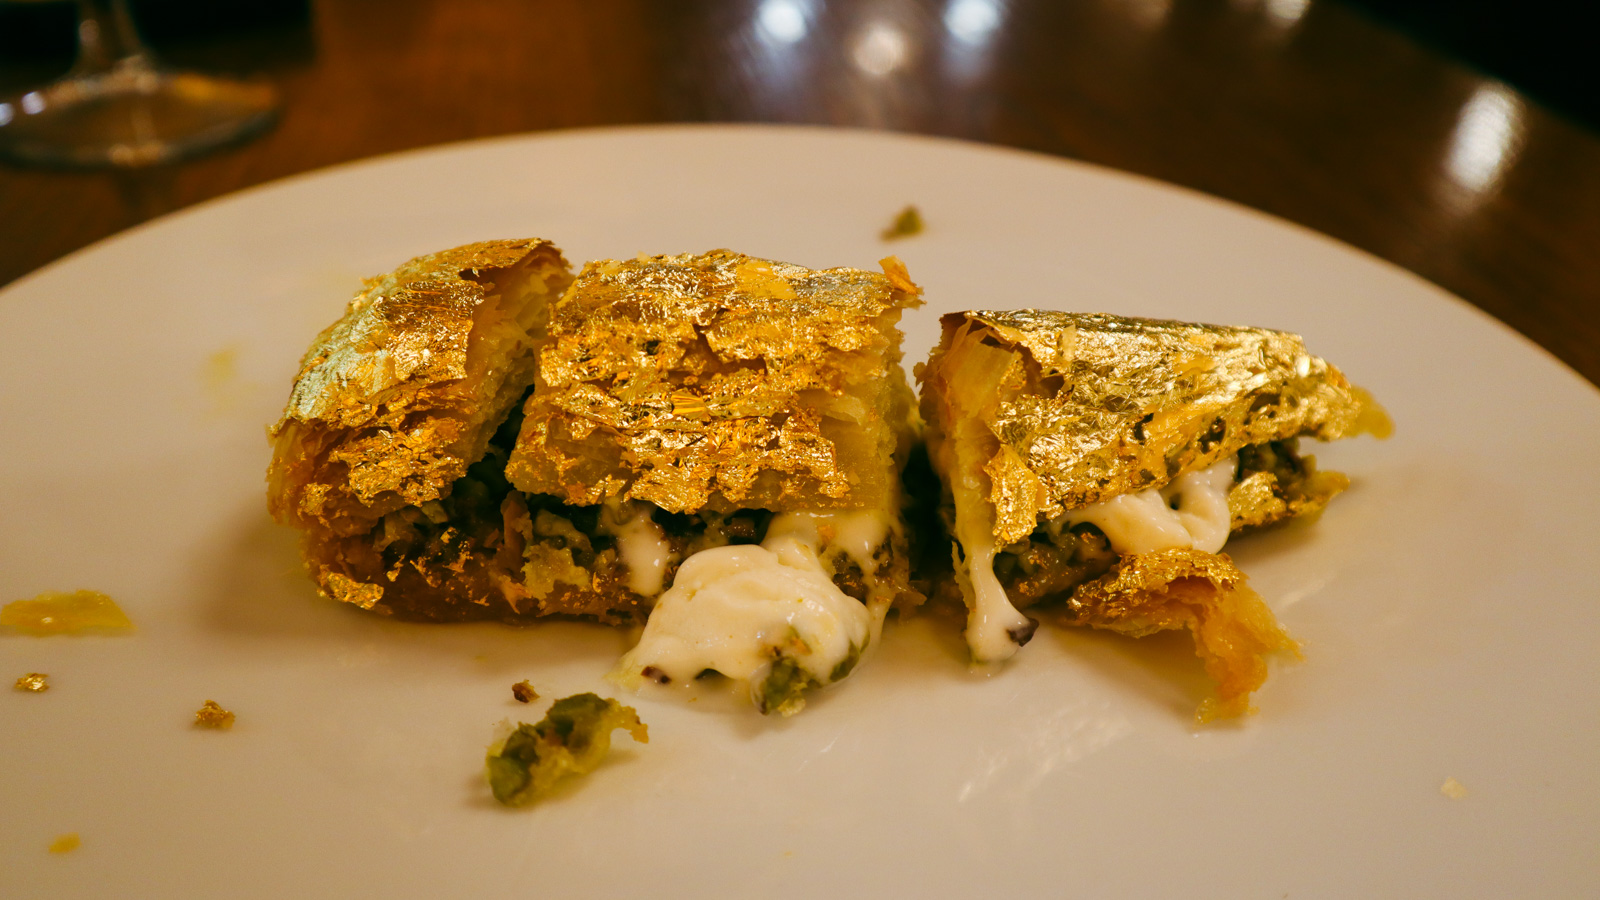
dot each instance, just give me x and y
(484, 436)
(1102, 462)
(389, 454)
(714, 445)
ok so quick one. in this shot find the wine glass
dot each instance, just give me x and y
(119, 108)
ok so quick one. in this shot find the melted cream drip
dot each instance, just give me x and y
(1145, 521)
(645, 551)
(995, 629)
(728, 607)
(859, 533)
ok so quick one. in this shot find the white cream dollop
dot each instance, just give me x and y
(733, 609)
(995, 628)
(1145, 521)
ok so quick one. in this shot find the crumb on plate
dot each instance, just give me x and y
(524, 692)
(572, 739)
(212, 715)
(65, 843)
(906, 224)
(1453, 789)
(36, 682)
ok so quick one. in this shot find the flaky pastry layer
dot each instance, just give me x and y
(1233, 628)
(1075, 408)
(1033, 415)
(721, 381)
(410, 412)
(399, 396)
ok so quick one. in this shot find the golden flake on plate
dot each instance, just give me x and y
(35, 682)
(212, 715)
(66, 843)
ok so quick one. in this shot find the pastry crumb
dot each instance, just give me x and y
(65, 843)
(906, 224)
(1453, 789)
(36, 682)
(212, 715)
(524, 692)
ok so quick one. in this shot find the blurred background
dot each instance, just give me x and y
(1456, 139)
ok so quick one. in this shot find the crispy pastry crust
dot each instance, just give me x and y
(387, 455)
(1233, 628)
(1089, 406)
(1035, 413)
(394, 401)
(721, 381)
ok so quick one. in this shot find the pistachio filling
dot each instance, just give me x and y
(1198, 510)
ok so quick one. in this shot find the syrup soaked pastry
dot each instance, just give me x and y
(1102, 462)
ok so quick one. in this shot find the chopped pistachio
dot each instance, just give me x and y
(782, 690)
(908, 223)
(572, 739)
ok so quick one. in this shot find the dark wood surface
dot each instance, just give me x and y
(1302, 108)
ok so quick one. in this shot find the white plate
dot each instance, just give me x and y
(1447, 603)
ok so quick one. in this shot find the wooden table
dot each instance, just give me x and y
(1302, 108)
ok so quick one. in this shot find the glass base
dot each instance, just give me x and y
(133, 115)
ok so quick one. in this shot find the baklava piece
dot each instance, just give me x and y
(391, 452)
(483, 437)
(718, 420)
(1100, 463)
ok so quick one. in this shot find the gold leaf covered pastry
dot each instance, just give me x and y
(1102, 461)
(394, 402)
(1098, 405)
(476, 440)
(720, 381)
(399, 396)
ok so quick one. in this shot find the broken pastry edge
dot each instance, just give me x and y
(1235, 632)
(389, 406)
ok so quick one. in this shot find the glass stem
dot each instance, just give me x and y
(107, 39)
